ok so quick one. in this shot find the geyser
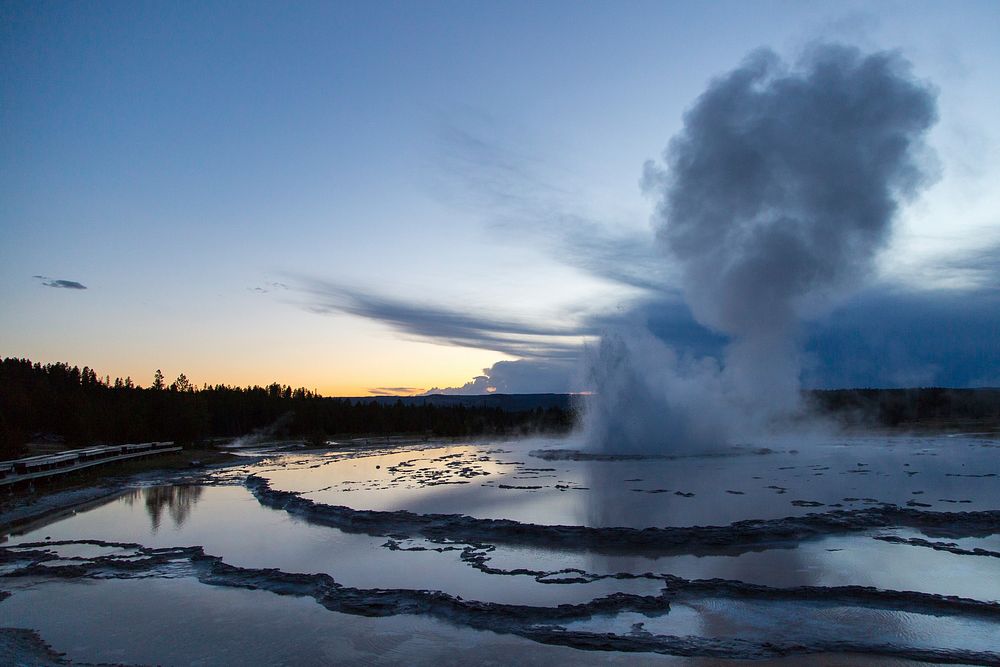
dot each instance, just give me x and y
(773, 201)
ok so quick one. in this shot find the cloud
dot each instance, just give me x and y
(886, 336)
(776, 196)
(60, 283)
(492, 173)
(784, 182)
(977, 268)
(450, 326)
(619, 254)
(525, 203)
(897, 337)
(523, 376)
(394, 391)
(268, 287)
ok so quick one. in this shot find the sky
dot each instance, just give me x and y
(399, 197)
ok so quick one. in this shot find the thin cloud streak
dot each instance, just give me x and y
(60, 283)
(394, 391)
(978, 268)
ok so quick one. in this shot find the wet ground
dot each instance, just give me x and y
(877, 550)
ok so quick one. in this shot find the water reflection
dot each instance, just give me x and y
(511, 482)
(177, 500)
(233, 525)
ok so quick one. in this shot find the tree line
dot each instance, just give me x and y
(82, 408)
(909, 407)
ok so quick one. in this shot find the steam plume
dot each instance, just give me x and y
(777, 195)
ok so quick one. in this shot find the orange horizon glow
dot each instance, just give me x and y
(394, 368)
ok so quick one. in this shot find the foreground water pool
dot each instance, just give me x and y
(876, 550)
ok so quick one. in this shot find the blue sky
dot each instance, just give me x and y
(356, 196)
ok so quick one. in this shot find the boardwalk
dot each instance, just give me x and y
(36, 467)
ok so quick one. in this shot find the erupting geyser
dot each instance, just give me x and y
(775, 198)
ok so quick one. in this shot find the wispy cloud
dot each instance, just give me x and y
(481, 169)
(870, 330)
(528, 205)
(977, 268)
(60, 283)
(451, 326)
(624, 255)
(268, 287)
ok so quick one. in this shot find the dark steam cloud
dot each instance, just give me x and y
(778, 193)
(907, 338)
(784, 183)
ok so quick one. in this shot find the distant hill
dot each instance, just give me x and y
(874, 407)
(506, 402)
